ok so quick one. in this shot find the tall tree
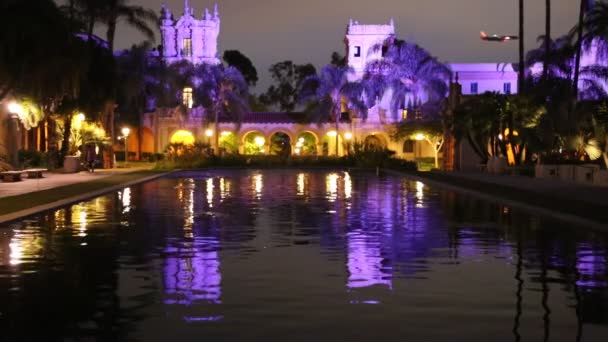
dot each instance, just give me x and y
(223, 92)
(522, 66)
(136, 16)
(579, 46)
(235, 58)
(411, 73)
(547, 39)
(288, 78)
(137, 78)
(327, 90)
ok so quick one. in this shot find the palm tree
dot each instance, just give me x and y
(579, 29)
(223, 92)
(136, 16)
(327, 90)
(136, 74)
(522, 75)
(409, 71)
(547, 38)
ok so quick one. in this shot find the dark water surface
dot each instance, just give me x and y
(299, 256)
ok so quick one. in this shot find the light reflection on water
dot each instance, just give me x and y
(230, 251)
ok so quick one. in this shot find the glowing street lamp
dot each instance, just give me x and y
(348, 135)
(209, 133)
(332, 133)
(125, 132)
(419, 136)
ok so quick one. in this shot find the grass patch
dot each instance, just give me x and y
(26, 201)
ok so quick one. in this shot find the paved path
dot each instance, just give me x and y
(54, 180)
(565, 200)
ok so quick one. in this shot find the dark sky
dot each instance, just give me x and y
(268, 31)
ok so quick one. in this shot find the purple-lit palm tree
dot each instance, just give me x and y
(409, 71)
(327, 91)
(223, 92)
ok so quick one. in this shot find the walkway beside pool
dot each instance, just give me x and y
(53, 180)
(558, 198)
(31, 196)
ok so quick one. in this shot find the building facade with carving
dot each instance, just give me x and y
(195, 40)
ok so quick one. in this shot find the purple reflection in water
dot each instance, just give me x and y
(365, 262)
(591, 266)
(192, 273)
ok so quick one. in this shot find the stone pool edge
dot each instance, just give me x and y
(17, 215)
(572, 218)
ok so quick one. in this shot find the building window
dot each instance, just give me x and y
(474, 88)
(357, 51)
(404, 114)
(187, 97)
(187, 47)
(506, 87)
(408, 146)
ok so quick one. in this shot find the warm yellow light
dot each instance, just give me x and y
(299, 144)
(500, 137)
(209, 133)
(225, 133)
(15, 108)
(419, 136)
(297, 150)
(125, 131)
(182, 137)
(81, 117)
(332, 133)
(348, 135)
(301, 140)
(260, 141)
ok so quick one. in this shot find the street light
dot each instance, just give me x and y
(125, 132)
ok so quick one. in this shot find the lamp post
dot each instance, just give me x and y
(125, 132)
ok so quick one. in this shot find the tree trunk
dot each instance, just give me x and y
(579, 47)
(140, 134)
(337, 135)
(522, 67)
(217, 135)
(547, 39)
(67, 130)
(111, 32)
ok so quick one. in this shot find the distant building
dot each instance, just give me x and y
(188, 38)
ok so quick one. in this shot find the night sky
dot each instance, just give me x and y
(304, 31)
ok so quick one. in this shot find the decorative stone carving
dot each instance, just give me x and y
(203, 34)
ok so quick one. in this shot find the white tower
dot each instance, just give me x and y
(361, 39)
(188, 38)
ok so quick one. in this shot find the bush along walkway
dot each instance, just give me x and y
(26, 204)
(558, 198)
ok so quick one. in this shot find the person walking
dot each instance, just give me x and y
(91, 156)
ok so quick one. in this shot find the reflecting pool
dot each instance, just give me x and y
(299, 255)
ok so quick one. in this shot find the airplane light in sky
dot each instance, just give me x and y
(496, 38)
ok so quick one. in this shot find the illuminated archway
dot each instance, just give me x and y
(280, 144)
(375, 142)
(254, 143)
(306, 144)
(182, 137)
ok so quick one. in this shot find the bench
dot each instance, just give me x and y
(11, 176)
(34, 173)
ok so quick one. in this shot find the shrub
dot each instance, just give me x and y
(29, 158)
(401, 164)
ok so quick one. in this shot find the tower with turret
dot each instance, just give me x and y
(188, 38)
(361, 39)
